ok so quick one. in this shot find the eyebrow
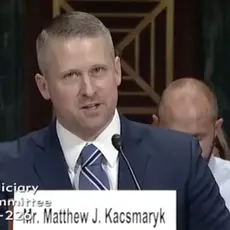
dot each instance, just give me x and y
(99, 65)
(77, 70)
(69, 71)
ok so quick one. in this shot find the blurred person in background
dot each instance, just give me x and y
(221, 148)
(188, 105)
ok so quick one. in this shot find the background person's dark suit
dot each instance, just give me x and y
(161, 159)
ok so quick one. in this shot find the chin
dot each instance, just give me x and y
(95, 125)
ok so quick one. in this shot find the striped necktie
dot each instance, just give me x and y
(92, 175)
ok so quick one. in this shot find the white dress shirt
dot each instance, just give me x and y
(72, 146)
(221, 171)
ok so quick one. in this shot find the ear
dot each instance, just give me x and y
(218, 126)
(155, 120)
(42, 86)
(118, 70)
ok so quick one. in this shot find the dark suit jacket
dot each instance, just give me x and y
(161, 159)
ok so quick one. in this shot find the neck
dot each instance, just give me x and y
(88, 135)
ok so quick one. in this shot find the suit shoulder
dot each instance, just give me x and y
(151, 133)
(166, 142)
(13, 149)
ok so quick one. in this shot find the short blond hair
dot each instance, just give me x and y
(69, 25)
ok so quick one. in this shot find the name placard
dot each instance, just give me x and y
(97, 210)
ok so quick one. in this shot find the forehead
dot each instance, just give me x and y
(78, 52)
(190, 119)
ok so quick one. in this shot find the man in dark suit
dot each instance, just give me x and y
(80, 74)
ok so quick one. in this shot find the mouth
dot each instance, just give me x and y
(91, 106)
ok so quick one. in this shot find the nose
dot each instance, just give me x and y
(88, 87)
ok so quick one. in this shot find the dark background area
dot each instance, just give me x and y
(201, 50)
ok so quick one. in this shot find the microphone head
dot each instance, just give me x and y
(116, 141)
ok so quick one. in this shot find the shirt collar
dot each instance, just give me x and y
(73, 145)
(212, 163)
(104, 141)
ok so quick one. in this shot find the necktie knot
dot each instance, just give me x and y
(92, 175)
(90, 155)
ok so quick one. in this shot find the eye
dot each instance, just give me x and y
(70, 75)
(98, 70)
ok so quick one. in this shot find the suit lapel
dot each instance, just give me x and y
(132, 140)
(49, 162)
(52, 171)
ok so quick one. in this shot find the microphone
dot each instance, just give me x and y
(117, 144)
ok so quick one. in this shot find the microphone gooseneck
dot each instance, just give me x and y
(117, 144)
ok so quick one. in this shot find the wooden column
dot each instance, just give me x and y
(37, 111)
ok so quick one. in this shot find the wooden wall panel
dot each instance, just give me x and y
(148, 64)
(37, 111)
